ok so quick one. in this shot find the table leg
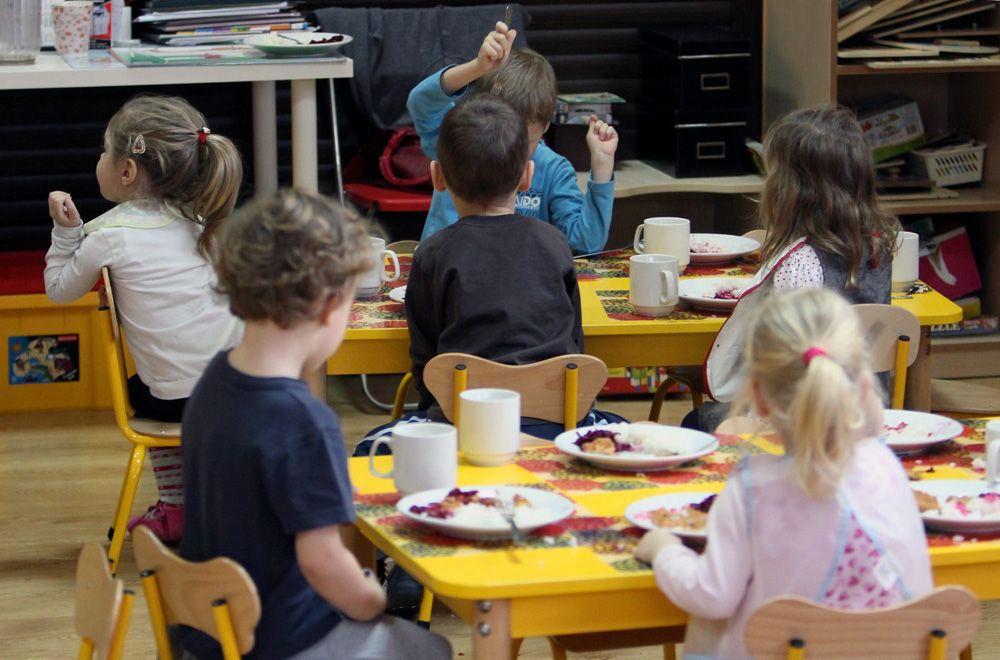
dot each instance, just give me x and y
(359, 546)
(305, 175)
(918, 376)
(491, 630)
(305, 159)
(336, 141)
(265, 138)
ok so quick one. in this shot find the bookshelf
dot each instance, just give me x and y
(801, 69)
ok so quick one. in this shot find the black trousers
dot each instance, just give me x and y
(148, 406)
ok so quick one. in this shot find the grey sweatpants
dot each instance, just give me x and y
(384, 638)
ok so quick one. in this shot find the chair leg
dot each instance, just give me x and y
(697, 398)
(426, 606)
(966, 653)
(669, 652)
(121, 494)
(661, 393)
(515, 648)
(399, 403)
(558, 652)
(131, 483)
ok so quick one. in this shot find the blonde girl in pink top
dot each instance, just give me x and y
(833, 520)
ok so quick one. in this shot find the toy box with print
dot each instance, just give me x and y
(892, 126)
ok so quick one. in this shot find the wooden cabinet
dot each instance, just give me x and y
(801, 69)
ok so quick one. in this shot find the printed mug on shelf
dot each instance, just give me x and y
(71, 24)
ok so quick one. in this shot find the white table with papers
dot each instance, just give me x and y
(51, 71)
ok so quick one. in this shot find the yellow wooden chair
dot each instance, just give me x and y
(939, 625)
(141, 433)
(217, 597)
(103, 607)
(887, 328)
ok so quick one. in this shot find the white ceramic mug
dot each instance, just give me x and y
(665, 236)
(424, 456)
(993, 451)
(905, 261)
(652, 284)
(370, 282)
(71, 25)
(489, 427)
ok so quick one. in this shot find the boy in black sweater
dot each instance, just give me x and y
(495, 284)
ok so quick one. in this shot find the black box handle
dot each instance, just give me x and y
(710, 150)
(714, 82)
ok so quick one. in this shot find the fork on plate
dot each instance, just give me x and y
(507, 510)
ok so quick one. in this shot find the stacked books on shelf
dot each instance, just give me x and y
(918, 32)
(205, 22)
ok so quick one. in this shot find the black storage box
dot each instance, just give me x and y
(693, 143)
(692, 67)
(570, 140)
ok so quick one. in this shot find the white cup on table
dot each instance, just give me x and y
(489, 427)
(992, 441)
(652, 284)
(424, 456)
(370, 282)
(665, 236)
(905, 261)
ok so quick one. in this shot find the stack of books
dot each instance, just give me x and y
(202, 22)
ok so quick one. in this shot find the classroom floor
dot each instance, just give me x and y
(60, 474)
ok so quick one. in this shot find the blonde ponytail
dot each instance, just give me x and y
(213, 195)
(808, 359)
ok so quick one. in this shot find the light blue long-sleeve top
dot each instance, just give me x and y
(554, 196)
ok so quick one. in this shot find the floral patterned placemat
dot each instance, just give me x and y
(618, 307)
(615, 264)
(613, 538)
(381, 311)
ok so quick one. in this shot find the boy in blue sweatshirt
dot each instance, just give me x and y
(525, 80)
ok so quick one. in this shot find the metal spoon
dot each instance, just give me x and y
(497, 87)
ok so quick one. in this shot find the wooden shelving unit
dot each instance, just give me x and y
(801, 69)
(636, 177)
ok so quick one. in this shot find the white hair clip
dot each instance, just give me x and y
(138, 145)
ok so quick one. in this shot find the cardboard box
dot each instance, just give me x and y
(892, 127)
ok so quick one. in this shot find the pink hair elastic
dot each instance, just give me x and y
(812, 352)
(203, 134)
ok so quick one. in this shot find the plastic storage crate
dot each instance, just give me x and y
(950, 166)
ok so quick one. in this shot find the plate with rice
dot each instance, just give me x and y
(476, 512)
(684, 514)
(908, 432)
(708, 249)
(958, 505)
(636, 447)
(715, 294)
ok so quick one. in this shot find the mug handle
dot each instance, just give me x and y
(395, 266)
(669, 285)
(638, 244)
(385, 439)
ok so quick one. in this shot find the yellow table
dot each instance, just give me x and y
(681, 339)
(582, 576)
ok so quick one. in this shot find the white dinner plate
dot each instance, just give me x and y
(398, 294)
(546, 508)
(727, 248)
(910, 432)
(694, 444)
(943, 488)
(637, 513)
(273, 44)
(699, 292)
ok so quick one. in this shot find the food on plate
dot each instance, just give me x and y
(458, 498)
(972, 507)
(471, 508)
(332, 39)
(704, 247)
(649, 439)
(727, 294)
(692, 517)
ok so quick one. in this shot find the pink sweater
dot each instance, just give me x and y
(863, 547)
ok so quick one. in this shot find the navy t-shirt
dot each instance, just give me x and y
(263, 461)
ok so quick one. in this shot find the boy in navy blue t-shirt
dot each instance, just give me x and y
(264, 460)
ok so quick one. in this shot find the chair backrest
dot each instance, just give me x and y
(790, 626)
(757, 235)
(103, 606)
(403, 247)
(114, 349)
(546, 387)
(893, 336)
(197, 595)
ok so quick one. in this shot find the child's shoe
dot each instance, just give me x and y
(163, 519)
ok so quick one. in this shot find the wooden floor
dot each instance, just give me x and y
(59, 478)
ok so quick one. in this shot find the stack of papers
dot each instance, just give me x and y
(200, 22)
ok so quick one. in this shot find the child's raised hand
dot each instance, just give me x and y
(496, 48)
(63, 210)
(652, 543)
(602, 142)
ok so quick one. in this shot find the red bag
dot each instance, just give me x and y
(948, 266)
(403, 163)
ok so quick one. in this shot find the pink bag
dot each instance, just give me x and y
(948, 266)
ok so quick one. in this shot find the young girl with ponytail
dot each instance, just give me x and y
(833, 520)
(174, 182)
